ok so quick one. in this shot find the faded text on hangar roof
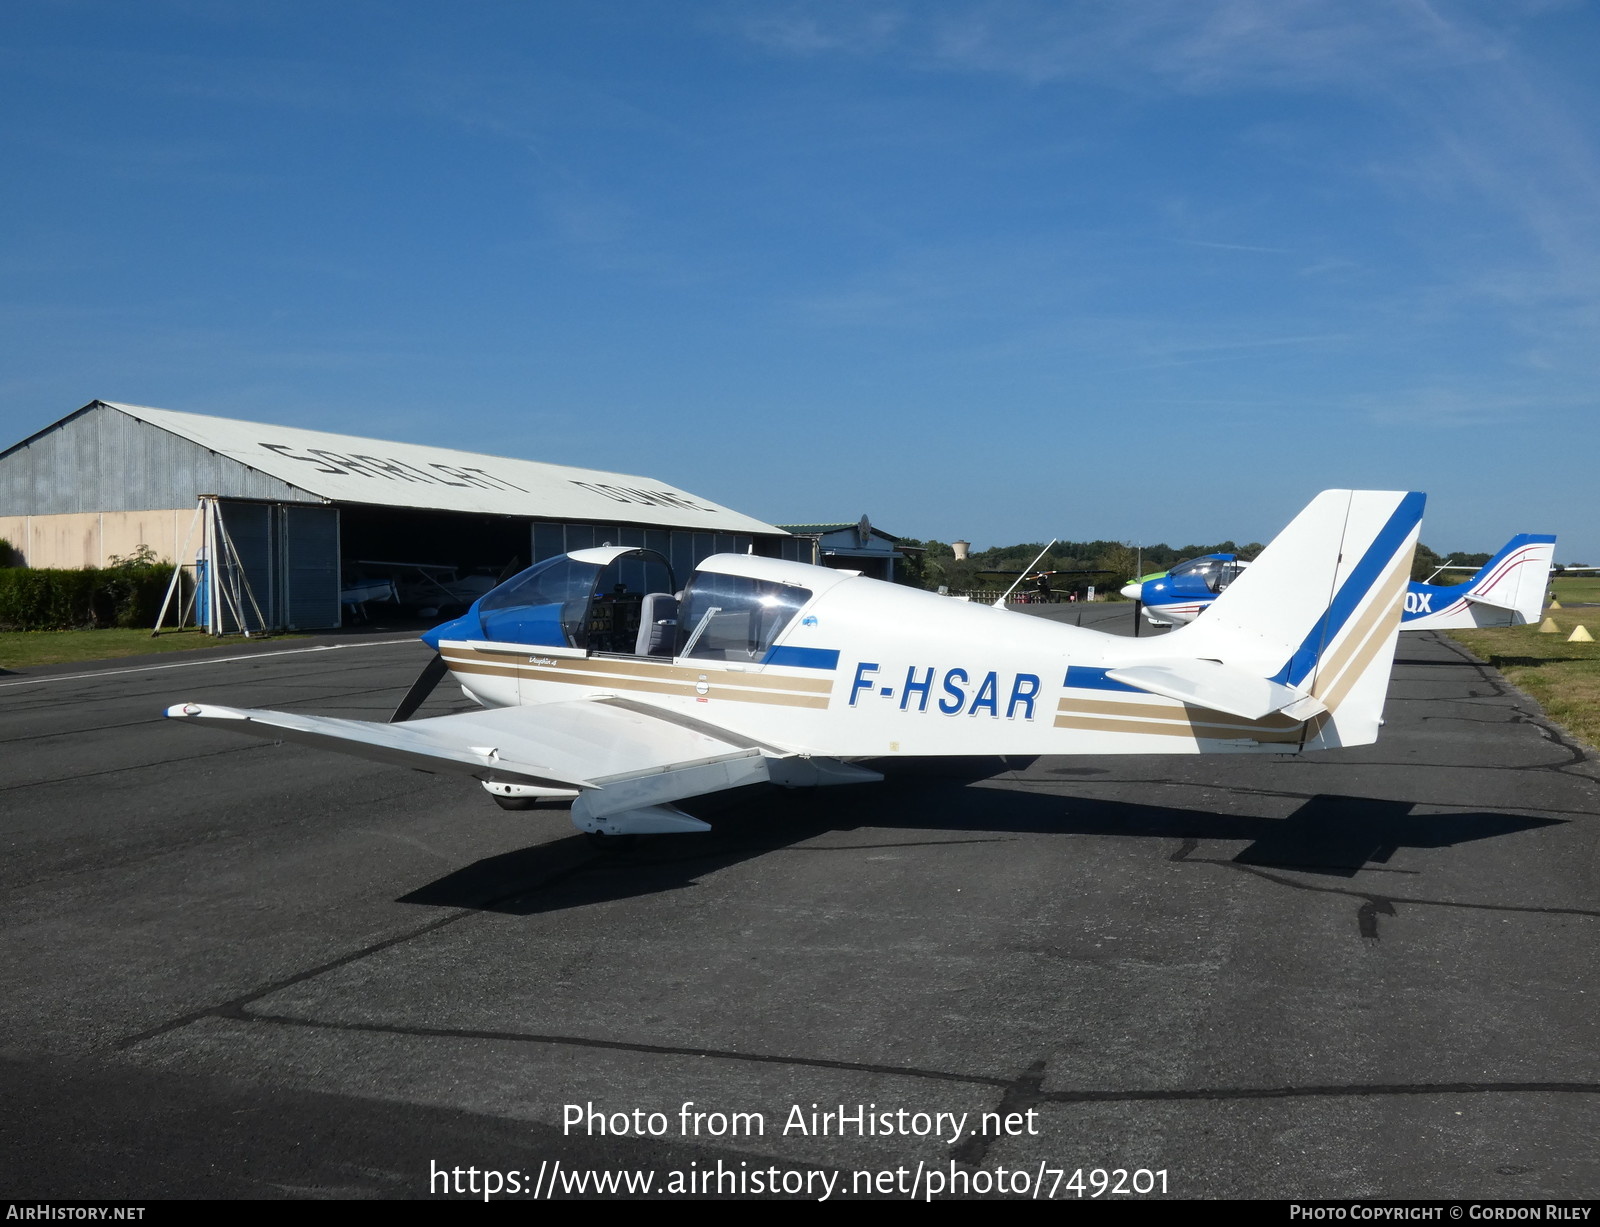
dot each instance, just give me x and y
(348, 469)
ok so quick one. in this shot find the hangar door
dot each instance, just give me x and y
(308, 549)
(290, 562)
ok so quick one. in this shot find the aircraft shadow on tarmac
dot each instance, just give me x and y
(1329, 834)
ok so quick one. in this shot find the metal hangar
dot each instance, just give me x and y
(313, 516)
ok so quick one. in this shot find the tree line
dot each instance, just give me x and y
(933, 564)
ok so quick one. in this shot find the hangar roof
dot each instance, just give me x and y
(349, 469)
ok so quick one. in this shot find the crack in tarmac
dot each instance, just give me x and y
(1373, 904)
(126, 691)
(288, 704)
(91, 775)
(235, 1007)
(1042, 787)
(1018, 1094)
(141, 855)
(1578, 753)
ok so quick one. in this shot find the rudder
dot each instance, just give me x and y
(1320, 609)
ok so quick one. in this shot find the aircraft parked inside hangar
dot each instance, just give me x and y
(1508, 590)
(600, 685)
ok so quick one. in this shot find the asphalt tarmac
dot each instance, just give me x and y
(234, 969)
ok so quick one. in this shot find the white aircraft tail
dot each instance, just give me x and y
(1319, 611)
(1517, 578)
(1508, 590)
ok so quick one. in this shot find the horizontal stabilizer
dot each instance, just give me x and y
(1219, 687)
(1496, 600)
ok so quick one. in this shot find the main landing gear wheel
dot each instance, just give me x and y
(610, 845)
(515, 802)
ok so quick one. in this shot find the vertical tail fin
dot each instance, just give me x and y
(1508, 590)
(1319, 610)
(1517, 578)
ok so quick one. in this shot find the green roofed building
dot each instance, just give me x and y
(851, 547)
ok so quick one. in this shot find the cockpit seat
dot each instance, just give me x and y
(658, 625)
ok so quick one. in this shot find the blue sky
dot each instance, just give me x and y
(996, 270)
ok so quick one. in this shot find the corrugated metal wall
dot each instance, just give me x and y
(309, 566)
(250, 528)
(683, 548)
(101, 459)
(291, 566)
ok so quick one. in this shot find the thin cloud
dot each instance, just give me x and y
(808, 30)
(1227, 45)
(1271, 251)
(1445, 407)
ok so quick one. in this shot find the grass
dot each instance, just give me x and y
(1564, 677)
(20, 649)
(1577, 590)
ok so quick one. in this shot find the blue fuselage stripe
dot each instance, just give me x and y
(802, 658)
(1082, 677)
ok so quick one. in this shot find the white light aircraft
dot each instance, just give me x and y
(600, 686)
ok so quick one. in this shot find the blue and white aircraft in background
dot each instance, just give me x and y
(1178, 595)
(603, 683)
(1508, 590)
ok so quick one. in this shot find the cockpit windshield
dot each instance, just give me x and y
(1215, 573)
(733, 617)
(601, 599)
(547, 604)
(1191, 565)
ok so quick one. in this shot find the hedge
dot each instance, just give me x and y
(33, 599)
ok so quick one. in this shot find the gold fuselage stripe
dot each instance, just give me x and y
(638, 668)
(1199, 732)
(718, 689)
(1159, 711)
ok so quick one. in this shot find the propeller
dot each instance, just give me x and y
(1138, 608)
(430, 676)
(433, 672)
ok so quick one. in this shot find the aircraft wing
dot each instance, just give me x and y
(628, 761)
